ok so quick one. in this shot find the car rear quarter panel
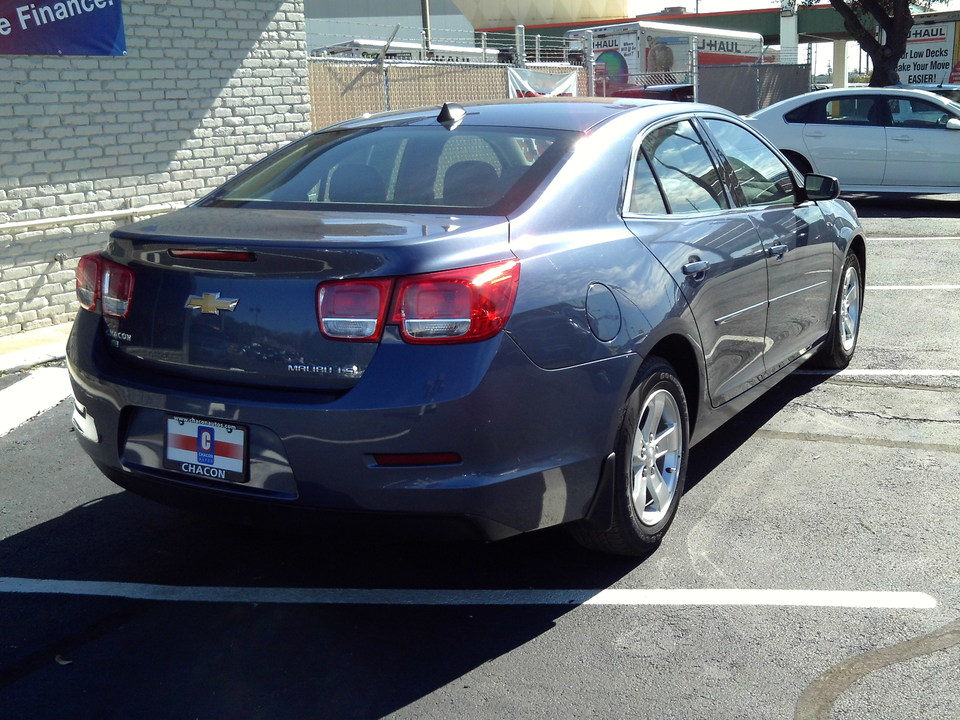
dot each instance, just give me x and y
(573, 244)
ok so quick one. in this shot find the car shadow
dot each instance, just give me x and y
(110, 656)
(106, 656)
(905, 205)
(710, 452)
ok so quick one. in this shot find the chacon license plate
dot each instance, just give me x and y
(205, 448)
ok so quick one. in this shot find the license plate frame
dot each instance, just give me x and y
(206, 449)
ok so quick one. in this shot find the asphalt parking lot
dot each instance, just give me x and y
(811, 572)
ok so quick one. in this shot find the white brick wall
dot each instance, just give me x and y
(205, 88)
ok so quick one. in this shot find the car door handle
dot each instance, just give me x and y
(777, 251)
(696, 267)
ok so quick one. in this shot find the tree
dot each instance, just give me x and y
(891, 16)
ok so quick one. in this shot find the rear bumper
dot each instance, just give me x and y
(531, 441)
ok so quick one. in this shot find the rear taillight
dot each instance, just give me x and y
(88, 281)
(463, 305)
(116, 289)
(99, 279)
(353, 309)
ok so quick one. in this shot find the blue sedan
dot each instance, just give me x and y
(495, 318)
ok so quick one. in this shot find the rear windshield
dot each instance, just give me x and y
(402, 169)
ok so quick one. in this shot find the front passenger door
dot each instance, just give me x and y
(798, 250)
(921, 149)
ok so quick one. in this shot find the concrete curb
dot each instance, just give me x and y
(33, 347)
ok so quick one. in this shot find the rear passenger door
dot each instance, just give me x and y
(678, 207)
(845, 137)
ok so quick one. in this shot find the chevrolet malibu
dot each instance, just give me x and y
(494, 317)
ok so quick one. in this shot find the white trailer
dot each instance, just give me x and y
(638, 54)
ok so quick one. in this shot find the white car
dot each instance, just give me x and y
(871, 139)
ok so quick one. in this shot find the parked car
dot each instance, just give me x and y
(502, 316)
(872, 139)
(679, 92)
(949, 91)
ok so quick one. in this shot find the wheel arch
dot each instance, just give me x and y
(681, 354)
(859, 248)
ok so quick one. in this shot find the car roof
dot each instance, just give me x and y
(548, 113)
(796, 100)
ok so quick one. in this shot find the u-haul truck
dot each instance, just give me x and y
(646, 53)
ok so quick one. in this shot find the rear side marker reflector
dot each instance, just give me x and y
(416, 459)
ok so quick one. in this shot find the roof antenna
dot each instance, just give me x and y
(451, 115)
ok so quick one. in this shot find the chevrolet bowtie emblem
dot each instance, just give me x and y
(212, 303)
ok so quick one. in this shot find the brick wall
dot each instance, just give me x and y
(206, 88)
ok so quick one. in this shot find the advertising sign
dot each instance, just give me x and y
(69, 27)
(932, 55)
(628, 54)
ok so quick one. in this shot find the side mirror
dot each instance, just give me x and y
(953, 124)
(821, 187)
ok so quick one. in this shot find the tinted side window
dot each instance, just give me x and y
(850, 110)
(645, 194)
(799, 115)
(687, 174)
(915, 113)
(762, 176)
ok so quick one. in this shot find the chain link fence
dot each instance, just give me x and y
(744, 89)
(343, 88)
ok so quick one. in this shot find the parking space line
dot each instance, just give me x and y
(360, 596)
(39, 391)
(913, 287)
(880, 372)
(915, 239)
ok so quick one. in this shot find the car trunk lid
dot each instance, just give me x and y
(229, 294)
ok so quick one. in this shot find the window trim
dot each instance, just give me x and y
(733, 182)
(707, 142)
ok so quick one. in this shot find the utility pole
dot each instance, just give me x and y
(425, 16)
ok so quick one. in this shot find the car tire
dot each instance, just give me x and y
(649, 467)
(841, 342)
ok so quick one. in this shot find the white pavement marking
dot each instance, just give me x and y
(39, 391)
(915, 239)
(357, 596)
(874, 372)
(913, 287)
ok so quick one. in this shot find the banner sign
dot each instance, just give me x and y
(68, 27)
(933, 55)
(530, 83)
